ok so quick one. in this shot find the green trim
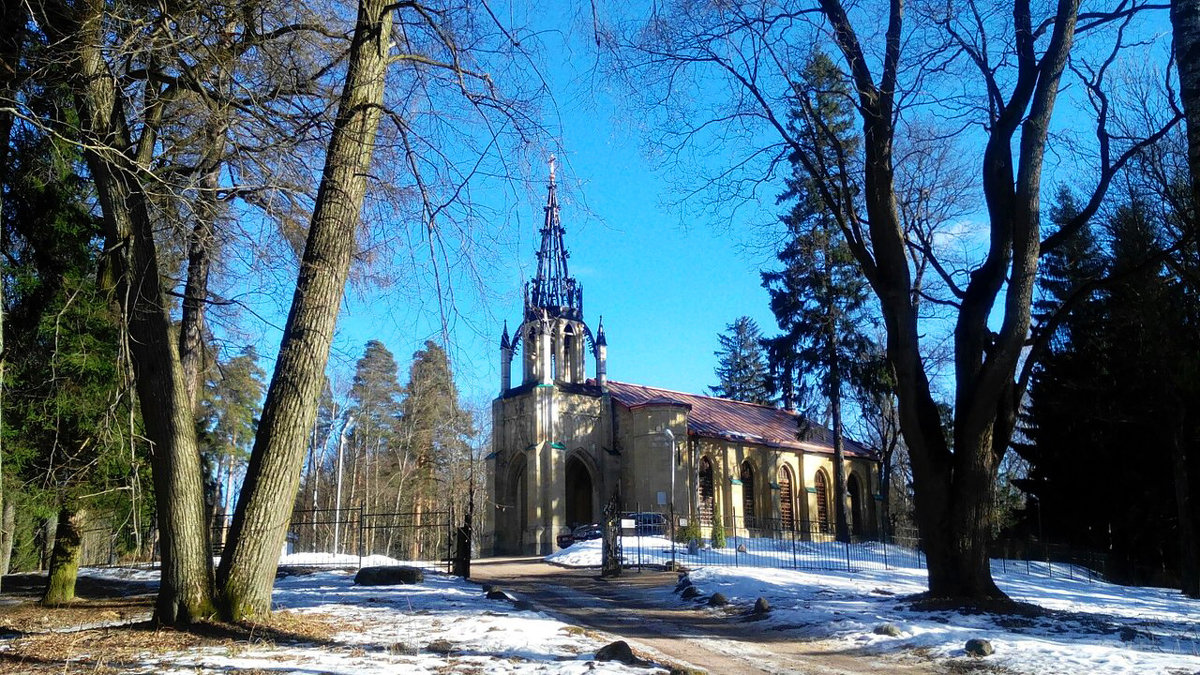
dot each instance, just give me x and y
(540, 386)
(774, 486)
(735, 481)
(531, 446)
(811, 490)
(491, 455)
(558, 445)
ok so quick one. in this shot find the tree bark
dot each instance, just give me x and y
(64, 561)
(1185, 22)
(247, 573)
(8, 525)
(114, 161)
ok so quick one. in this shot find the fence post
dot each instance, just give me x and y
(361, 531)
(885, 549)
(848, 567)
(795, 563)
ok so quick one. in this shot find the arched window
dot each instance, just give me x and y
(567, 371)
(707, 495)
(787, 506)
(854, 488)
(821, 483)
(747, 478)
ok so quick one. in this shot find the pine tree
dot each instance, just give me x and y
(741, 365)
(438, 430)
(819, 297)
(231, 406)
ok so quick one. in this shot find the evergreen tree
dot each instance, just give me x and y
(741, 365)
(69, 436)
(1116, 379)
(819, 297)
(231, 406)
(437, 430)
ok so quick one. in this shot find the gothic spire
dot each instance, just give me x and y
(553, 289)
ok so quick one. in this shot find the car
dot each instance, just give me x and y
(646, 523)
(581, 533)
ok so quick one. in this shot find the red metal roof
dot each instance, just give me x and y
(735, 421)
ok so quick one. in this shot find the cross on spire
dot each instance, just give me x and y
(553, 289)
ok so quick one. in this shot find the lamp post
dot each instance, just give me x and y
(670, 436)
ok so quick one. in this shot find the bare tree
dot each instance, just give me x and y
(999, 70)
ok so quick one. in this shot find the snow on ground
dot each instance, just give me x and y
(1091, 627)
(390, 629)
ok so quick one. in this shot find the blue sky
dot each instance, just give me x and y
(665, 284)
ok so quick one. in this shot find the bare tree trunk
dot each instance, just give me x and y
(64, 562)
(114, 161)
(201, 245)
(1185, 21)
(12, 20)
(8, 524)
(246, 576)
(842, 529)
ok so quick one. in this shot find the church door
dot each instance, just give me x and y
(579, 493)
(856, 519)
(706, 491)
(821, 483)
(787, 511)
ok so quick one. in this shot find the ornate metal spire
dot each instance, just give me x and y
(553, 289)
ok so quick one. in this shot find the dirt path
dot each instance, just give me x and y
(631, 606)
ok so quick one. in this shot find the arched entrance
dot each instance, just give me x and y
(821, 483)
(579, 493)
(855, 490)
(517, 514)
(707, 493)
(787, 509)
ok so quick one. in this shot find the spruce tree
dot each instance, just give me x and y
(741, 364)
(819, 298)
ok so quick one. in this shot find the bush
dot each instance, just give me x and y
(690, 532)
(718, 527)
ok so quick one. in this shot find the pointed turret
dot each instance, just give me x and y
(553, 289)
(601, 357)
(506, 354)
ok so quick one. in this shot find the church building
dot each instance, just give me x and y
(565, 444)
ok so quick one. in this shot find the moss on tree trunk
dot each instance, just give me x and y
(64, 561)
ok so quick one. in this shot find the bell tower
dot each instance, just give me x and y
(553, 338)
(554, 462)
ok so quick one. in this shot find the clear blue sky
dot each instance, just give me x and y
(665, 284)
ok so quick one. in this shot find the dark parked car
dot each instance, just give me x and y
(581, 533)
(646, 524)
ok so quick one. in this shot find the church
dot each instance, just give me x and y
(565, 444)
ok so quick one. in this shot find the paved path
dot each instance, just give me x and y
(632, 607)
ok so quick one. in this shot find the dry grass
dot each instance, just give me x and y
(66, 638)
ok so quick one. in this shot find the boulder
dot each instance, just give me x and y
(402, 649)
(389, 575)
(617, 651)
(761, 606)
(497, 594)
(684, 582)
(440, 647)
(718, 600)
(690, 592)
(887, 629)
(741, 548)
(979, 647)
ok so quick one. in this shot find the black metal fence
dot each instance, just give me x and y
(763, 542)
(356, 537)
